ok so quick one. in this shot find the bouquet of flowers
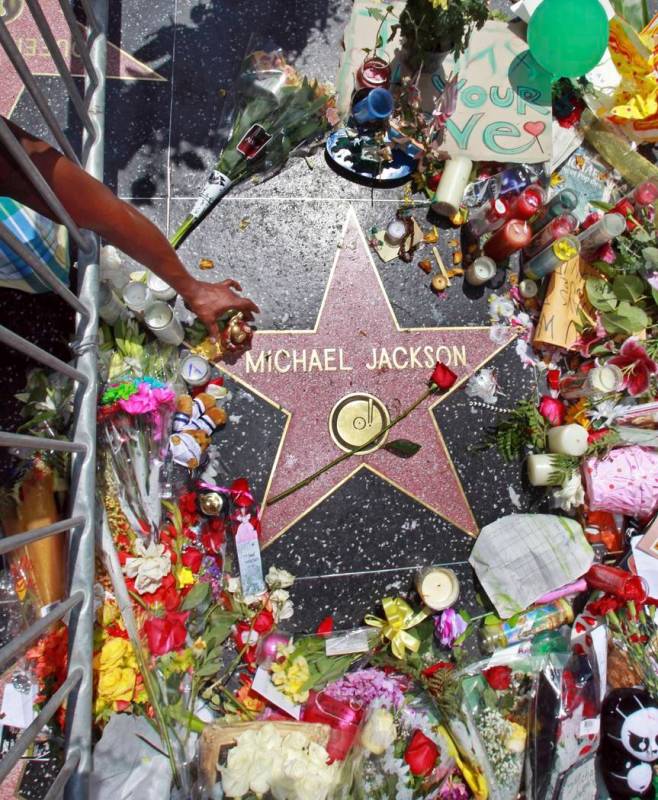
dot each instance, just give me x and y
(276, 111)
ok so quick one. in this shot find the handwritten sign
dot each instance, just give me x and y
(565, 299)
(504, 102)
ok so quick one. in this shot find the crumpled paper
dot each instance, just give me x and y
(521, 557)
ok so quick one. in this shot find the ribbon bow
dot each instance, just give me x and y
(399, 618)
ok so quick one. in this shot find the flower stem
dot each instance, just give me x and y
(339, 459)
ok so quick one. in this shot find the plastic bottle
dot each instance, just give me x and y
(550, 617)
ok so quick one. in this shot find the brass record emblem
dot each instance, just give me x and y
(10, 9)
(355, 419)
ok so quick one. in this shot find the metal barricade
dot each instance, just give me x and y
(73, 779)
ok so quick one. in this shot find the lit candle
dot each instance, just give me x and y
(489, 217)
(109, 306)
(564, 249)
(438, 587)
(541, 470)
(596, 382)
(605, 230)
(560, 226)
(396, 230)
(160, 290)
(568, 440)
(563, 202)
(528, 289)
(160, 319)
(195, 370)
(513, 236)
(480, 271)
(135, 295)
(450, 191)
(528, 203)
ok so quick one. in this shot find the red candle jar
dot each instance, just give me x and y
(528, 203)
(342, 717)
(556, 229)
(513, 236)
(617, 582)
(374, 73)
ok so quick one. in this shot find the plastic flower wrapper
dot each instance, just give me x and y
(134, 417)
(276, 111)
(125, 351)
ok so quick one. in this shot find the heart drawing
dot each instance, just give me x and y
(535, 129)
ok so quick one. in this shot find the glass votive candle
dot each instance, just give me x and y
(160, 290)
(160, 320)
(135, 296)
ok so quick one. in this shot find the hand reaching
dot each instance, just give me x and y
(209, 301)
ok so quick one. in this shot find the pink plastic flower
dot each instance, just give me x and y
(449, 626)
(142, 402)
(636, 365)
(606, 253)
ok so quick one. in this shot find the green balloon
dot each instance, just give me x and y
(568, 37)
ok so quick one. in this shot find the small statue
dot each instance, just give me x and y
(236, 335)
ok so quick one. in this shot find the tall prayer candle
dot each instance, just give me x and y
(160, 290)
(160, 319)
(560, 226)
(541, 470)
(109, 306)
(135, 295)
(605, 230)
(195, 370)
(450, 191)
(528, 203)
(618, 582)
(513, 236)
(489, 217)
(564, 249)
(563, 202)
(646, 194)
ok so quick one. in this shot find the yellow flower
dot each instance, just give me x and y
(440, 4)
(515, 738)
(116, 684)
(107, 613)
(185, 577)
(577, 413)
(290, 678)
(113, 653)
(199, 647)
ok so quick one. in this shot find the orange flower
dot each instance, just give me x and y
(577, 413)
(250, 700)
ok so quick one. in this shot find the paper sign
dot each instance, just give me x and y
(249, 560)
(18, 707)
(263, 686)
(578, 783)
(590, 727)
(561, 311)
(504, 103)
(351, 642)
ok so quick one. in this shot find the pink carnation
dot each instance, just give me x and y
(141, 402)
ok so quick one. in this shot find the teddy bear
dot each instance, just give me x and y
(195, 420)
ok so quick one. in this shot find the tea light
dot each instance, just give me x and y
(159, 288)
(513, 236)
(195, 370)
(541, 469)
(396, 230)
(135, 295)
(438, 587)
(568, 440)
(480, 271)
(160, 319)
(528, 289)
(602, 380)
(452, 185)
(109, 306)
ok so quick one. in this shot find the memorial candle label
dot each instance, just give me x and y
(249, 560)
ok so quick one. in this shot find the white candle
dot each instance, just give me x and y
(159, 288)
(602, 380)
(109, 306)
(195, 370)
(160, 319)
(481, 270)
(528, 289)
(438, 587)
(395, 231)
(135, 296)
(450, 191)
(540, 468)
(568, 440)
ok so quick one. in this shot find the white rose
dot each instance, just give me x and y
(379, 731)
(570, 495)
(279, 578)
(149, 567)
(282, 606)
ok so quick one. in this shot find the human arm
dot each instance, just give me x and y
(92, 205)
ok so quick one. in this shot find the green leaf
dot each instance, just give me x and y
(209, 669)
(654, 294)
(600, 294)
(628, 287)
(604, 268)
(640, 235)
(626, 319)
(402, 448)
(601, 205)
(196, 596)
(650, 256)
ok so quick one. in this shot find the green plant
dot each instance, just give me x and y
(522, 426)
(431, 26)
(381, 17)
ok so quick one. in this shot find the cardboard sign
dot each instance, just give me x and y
(565, 297)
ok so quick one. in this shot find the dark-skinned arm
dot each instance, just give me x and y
(92, 205)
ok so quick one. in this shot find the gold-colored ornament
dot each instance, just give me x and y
(211, 503)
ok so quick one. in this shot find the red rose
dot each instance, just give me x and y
(443, 376)
(213, 536)
(264, 621)
(499, 678)
(165, 634)
(240, 493)
(429, 671)
(421, 754)
(192, 558)
(594, 436)
(325, 627)
(433, 181)
(552, 410)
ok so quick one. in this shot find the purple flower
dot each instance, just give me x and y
(453, 789)
(366, 685)
(449, 626)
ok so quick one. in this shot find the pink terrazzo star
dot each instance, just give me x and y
(33, 48)
(356, 329)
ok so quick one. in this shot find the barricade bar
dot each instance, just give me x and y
(57, 789)
(9, 439)
(10, 652)
(39, 354)
(30, 733)
(80, 43)
(9, 543)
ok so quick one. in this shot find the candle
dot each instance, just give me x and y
(109, 306)
(646, 194)
(160, 290)
(396, 230)
(135, 295)
(376, 106)
(160, 319)
(195, 370)
(563, 202)
(489, 217)
(618, 582)
(528, 203)
(373, 73)
(605, 230)
(560, 226)
(596, 382)
(564, 249)
(481, 270)
(513, 236)
(438, 587)
(528, 289)
(541, 470)
(450, 191)
(568, 440)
